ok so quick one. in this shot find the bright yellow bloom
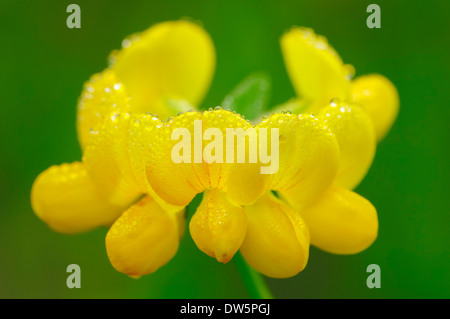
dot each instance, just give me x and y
(319, 75)
(277, 240)
(128, 176)
(178, 183)
(235, 192)
(360, 113)
(171, 60)
(321, 159)
(66, 198)
(164, 70)
(333, 150)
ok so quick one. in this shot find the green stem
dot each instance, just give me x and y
(253, 281)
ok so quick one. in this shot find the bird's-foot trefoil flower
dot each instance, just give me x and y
(128, 178)
(163, 70)
(360, 113)
(319, 75)
(227, 219)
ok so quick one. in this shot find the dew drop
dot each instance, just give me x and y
(114, 117)
(349, 71)
(334, 102)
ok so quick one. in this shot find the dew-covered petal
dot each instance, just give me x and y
(176, 183)
(107, 161)
(143, 239)
(102, 95)
(143, 131)
(180, 165)
(354, 131)
(314, 67)
(277, 239)
(170, 60)
(308, 156)
(65, 198)
(218, 226)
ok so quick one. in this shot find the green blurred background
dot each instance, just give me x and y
(44, 64)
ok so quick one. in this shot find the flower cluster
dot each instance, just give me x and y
(128, 180)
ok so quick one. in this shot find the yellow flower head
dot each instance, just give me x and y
(164, 70)
(269, 189)
(319, 75)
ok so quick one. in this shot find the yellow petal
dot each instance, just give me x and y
(218, 226)
(177, 181)
(305, 166)
(102, 95)
(314, 67)
(341, 222)
(245, 183)
(238, 134)
(308, 157)
(142, 132)
(66, 199)
(277, 239)
(174, 59)
(107, 162)
(143, 239)
(379, 97)
(354, 131)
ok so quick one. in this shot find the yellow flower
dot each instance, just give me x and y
(360, 113)
(238, 210)
(318, 157)
(341, 221)
(128, 176)
(162, 70)
(319, 75)
(316, 174)
(313, 158)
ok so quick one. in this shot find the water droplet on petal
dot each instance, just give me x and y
(334, 102)
(349, 71)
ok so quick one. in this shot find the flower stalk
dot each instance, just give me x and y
(253, 281)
